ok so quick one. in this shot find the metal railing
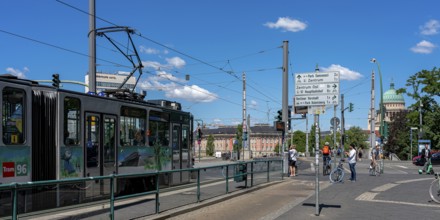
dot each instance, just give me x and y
(257, 172)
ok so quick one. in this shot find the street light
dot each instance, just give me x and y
(412, 128)
(382, 113)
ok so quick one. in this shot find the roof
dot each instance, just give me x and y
(391, 96)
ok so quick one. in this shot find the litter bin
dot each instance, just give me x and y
(240, 172)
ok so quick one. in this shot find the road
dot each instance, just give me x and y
(400, 193)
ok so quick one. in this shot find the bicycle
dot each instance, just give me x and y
(327, 167)
(337, 175)
(375, 169)
(434, 189)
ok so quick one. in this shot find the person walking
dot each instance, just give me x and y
(292, 159)
(351, 156)
(426, 156)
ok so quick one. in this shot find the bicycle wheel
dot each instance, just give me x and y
(434, 191)
(336, 175)
(377, 170)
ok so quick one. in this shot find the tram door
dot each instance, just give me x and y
(181, 160)
(100, 139)
(177, 157)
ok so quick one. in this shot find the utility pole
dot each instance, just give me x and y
(92, 47)
(373, 115)
(342, 125)
(285, 101)
(244, 114)
(307, 136)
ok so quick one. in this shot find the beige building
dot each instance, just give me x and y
(393, 103)
(110, 81)
(263, 139)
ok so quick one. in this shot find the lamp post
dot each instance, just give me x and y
(411, 151)
(382, 113)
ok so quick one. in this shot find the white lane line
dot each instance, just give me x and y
(406, 203)
(369, 196)
(404, 167)
(384, 187)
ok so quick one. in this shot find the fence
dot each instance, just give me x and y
(98, 197)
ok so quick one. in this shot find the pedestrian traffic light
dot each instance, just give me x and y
(199, 134)
(56, 80)
(280, 115)
(351, 106)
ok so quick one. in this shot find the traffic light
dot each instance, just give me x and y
(351, 106)
(199, 134)
(289, 117)
(280, 115)
(56, 80)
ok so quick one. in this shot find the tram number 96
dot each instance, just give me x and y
(21, 169)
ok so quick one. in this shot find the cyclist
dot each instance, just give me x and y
(374, 157)
(325, 154)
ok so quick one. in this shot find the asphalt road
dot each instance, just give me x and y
(399, 193)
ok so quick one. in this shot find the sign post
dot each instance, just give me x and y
(316, 91)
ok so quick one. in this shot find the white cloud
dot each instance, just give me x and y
(253, 104)
(152, 64)
(346, 74)
(176, 62)
(424, 47)
(430, 28)
(287, 24)
(166, 82)
(16, 72)
(191, 93)
(149, 50)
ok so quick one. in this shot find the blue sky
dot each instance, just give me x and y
(216, 41)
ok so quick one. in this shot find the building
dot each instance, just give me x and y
(110, 81)
(393, 103)
(263, 139)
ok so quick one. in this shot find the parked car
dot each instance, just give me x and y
(435, 160)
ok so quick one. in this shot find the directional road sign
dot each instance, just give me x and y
(317, 77)
(317, 89)
(311, 89)
(311, 100)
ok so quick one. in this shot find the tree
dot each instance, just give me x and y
(210, 145)
(425, 87)
(239, 140)
(357, 137)
(398, 136)
(299, 139)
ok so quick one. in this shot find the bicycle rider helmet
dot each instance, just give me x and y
(326, 143)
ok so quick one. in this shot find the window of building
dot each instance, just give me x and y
(13, 120)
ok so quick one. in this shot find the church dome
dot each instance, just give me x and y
(391, 96)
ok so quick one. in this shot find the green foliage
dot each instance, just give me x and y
(398, 136)
(239, 137)
(299, 139)
(356, 136)
(210, 145)
(425, 90)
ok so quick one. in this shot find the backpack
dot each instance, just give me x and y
(326, 150)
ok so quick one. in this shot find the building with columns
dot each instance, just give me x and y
(393, 103)
(263, 139)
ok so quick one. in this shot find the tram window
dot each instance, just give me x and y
(72, 115)
(133, 123)
(158, 129)
(13, 120)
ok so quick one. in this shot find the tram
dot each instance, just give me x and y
(53, 134)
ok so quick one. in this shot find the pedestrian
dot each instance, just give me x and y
(351, 154)
(360, 153)
(426, 156)
(292, 159)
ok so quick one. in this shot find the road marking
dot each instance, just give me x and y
(404, 167)
(384, 187)
(369, 196)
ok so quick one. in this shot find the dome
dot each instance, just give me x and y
(391, 96)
